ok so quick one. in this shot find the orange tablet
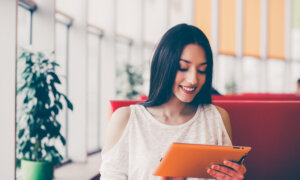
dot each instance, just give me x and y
(192, 160)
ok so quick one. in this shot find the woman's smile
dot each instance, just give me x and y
(188, 89)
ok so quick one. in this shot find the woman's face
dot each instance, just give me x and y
(191, 75)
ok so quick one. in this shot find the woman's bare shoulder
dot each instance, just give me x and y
(115, 128)
(226, 120)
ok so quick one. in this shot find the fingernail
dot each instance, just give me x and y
(226, 162)
(214, 166)
(208, 170)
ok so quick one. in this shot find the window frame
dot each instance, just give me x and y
(66, 20)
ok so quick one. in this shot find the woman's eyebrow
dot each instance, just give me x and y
(186, 61)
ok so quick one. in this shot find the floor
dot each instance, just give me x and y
(80, 171)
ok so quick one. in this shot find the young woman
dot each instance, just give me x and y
(178, 109)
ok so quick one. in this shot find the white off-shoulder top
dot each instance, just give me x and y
(145, 140)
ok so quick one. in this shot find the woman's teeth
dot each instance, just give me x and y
(188, 89)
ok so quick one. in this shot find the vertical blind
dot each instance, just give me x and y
(203, 16)
(251, 26)
(227, 27)
(276, 29)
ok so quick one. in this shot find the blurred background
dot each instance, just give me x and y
(104, 48)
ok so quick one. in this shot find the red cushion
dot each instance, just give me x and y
(271, 128)
(115, 104)
(263, 96)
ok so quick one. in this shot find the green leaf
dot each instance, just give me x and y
(59, 104)
(26, 99)
(69, 104)
(21, 133)
(55, 77)
(54, 64)
(63, 140)
(21, 88)
(54, 90)
(55, 109)
(41, 134)
(45, 61)
(26, 146)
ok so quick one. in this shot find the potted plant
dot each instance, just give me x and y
(37, 127)
(129, 80)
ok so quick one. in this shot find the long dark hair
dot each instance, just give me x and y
(165, 64)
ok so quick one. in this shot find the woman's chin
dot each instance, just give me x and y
(186, 100)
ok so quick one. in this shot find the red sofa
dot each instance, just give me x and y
(271, 128)
(258, 96)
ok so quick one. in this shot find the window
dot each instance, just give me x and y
(275, 76)
(95, 35)
(148, 55)
(26, 9)
(62, 26)
(123, 58)
(24, 27)
(251, 74)
(226, 74)
(24, 39)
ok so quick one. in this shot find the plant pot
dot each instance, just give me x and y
(34, 170)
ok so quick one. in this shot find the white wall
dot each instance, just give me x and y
(78, 82)
(43, 28)
(8, 20)
(107, 64)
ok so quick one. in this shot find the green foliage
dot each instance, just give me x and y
(37, 125)
(129, 81)
(231, 86)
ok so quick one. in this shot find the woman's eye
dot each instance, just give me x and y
(182, 69)
(201, 72)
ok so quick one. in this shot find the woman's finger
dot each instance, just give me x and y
(240, 168)
(228, 171)
(172, 178)
(218, 175)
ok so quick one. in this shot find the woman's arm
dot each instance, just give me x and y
(114, 164)
(226, 120)
(115, 128)
(229, 169)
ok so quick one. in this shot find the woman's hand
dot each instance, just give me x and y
(172, 178)
(231, 170)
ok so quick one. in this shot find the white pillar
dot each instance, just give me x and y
(264, 46)
(78, 83)
(288, 79)
(215, 42)
(8, 32)
(108, 64)
(138, 53)
(43, 25)
(239, 75)
(191, 11)
(166, 4)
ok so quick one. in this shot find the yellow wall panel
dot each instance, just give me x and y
(251, 28)
(227, 27)
(203, 16)
(276, 29)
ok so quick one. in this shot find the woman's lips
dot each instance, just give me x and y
(188, 89)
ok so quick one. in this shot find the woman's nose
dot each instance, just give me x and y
(192, 77)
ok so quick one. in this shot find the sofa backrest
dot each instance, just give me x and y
(271, 128)
(258, 96)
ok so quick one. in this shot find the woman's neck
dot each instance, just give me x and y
(173, 112)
